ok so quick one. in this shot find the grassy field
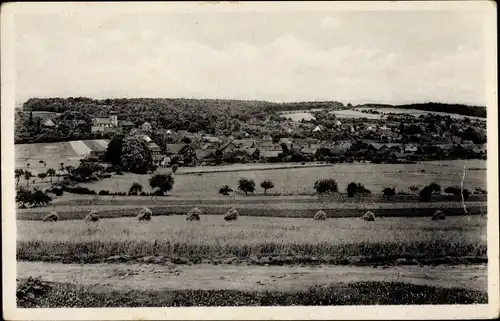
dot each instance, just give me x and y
(253, 209)
(292, 240)
(59, 295)
(301, 180)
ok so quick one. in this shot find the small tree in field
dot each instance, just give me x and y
(326, 186)
(267, 184)
(42, 176)
(246, 185)
(351, 189)
(18, 174)
(435, 188)
(225, 190)
(51, 173)
(135, 189)
(389, 192)
(163, 182)
(27, 176)
(426, 194)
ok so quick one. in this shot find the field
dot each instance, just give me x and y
(53, 154)
(301, 180)
(350, 113)
(288, 239)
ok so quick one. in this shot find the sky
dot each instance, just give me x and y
(355, 56)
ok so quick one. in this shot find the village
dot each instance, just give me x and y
(399, 138)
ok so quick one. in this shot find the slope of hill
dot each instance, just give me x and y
(466, 110)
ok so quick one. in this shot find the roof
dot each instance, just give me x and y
(250, 151)
(445, 146)
(204, 153)
(146, 138)
(153, 145)
(308, 150)
(212, 139)
(125, 123)
(175, 148)
(48, 122)
(270, 153)
(103, 121)
(244, 142)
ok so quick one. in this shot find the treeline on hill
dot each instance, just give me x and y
(466, 110)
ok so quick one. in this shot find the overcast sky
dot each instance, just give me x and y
(392, 57)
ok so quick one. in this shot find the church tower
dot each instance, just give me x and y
(114, 118)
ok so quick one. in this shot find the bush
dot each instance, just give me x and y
(193, 214)
(246, 185)
(143, 194)
(104, 192)
(80, 190)
(351, 189)
(225, 190)
(145, 214)
(93, 216)
(426, 194)
(52, 217)
(320, 216)
(163, 182)
(389, 192)
(435, 188)
(413, 188)
(135, 189)
(158, 192)
(119, 173)
(368, 216)
(326, 186)
(231, 215)
(439, 215)
(267, 184)
(457, 191)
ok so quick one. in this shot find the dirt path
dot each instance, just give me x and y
(284, 278)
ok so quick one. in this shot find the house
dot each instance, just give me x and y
(308, 151)
(211, 139)
(270, 155)
(252, 152)
(178, 149)
(244, 143)
(48, 123)
(126, 125)
(240, 134)
(105, 124)
(410, 148)
(317, 129)
(204, 156)
(154, 148)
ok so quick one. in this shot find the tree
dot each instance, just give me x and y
(23, 196)
(27, 176)
(113, 153)
(426, 194)
(352, 188)
(40, 198)
(136, 156)
(135, 189)
(267, 184)
(389, 192)
(42, 176)
(51, 173)
(326, 186)
(62, 167)
(28, 165)
(163, 182)
(435, 188)
(246, 185)
(225, 190)
(18, 173)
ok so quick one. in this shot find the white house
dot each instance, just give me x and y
(317, 129)
(105, 124)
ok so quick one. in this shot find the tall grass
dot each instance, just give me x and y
(172, 236)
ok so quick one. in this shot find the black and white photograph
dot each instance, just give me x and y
(309, 157)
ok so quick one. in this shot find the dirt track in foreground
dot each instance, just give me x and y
(283, 278)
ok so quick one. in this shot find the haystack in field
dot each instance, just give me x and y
(369, 216)
(193, 214)
(439, 215)
(52, 217)
(320, 216)
(231, 215)
(93, 216)
(145, 214)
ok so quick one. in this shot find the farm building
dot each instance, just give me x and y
(105, 124)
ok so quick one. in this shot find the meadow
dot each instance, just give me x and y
(254, 240)
(301, 180)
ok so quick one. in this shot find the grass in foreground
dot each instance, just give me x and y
(37, 294)
(301, 240)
